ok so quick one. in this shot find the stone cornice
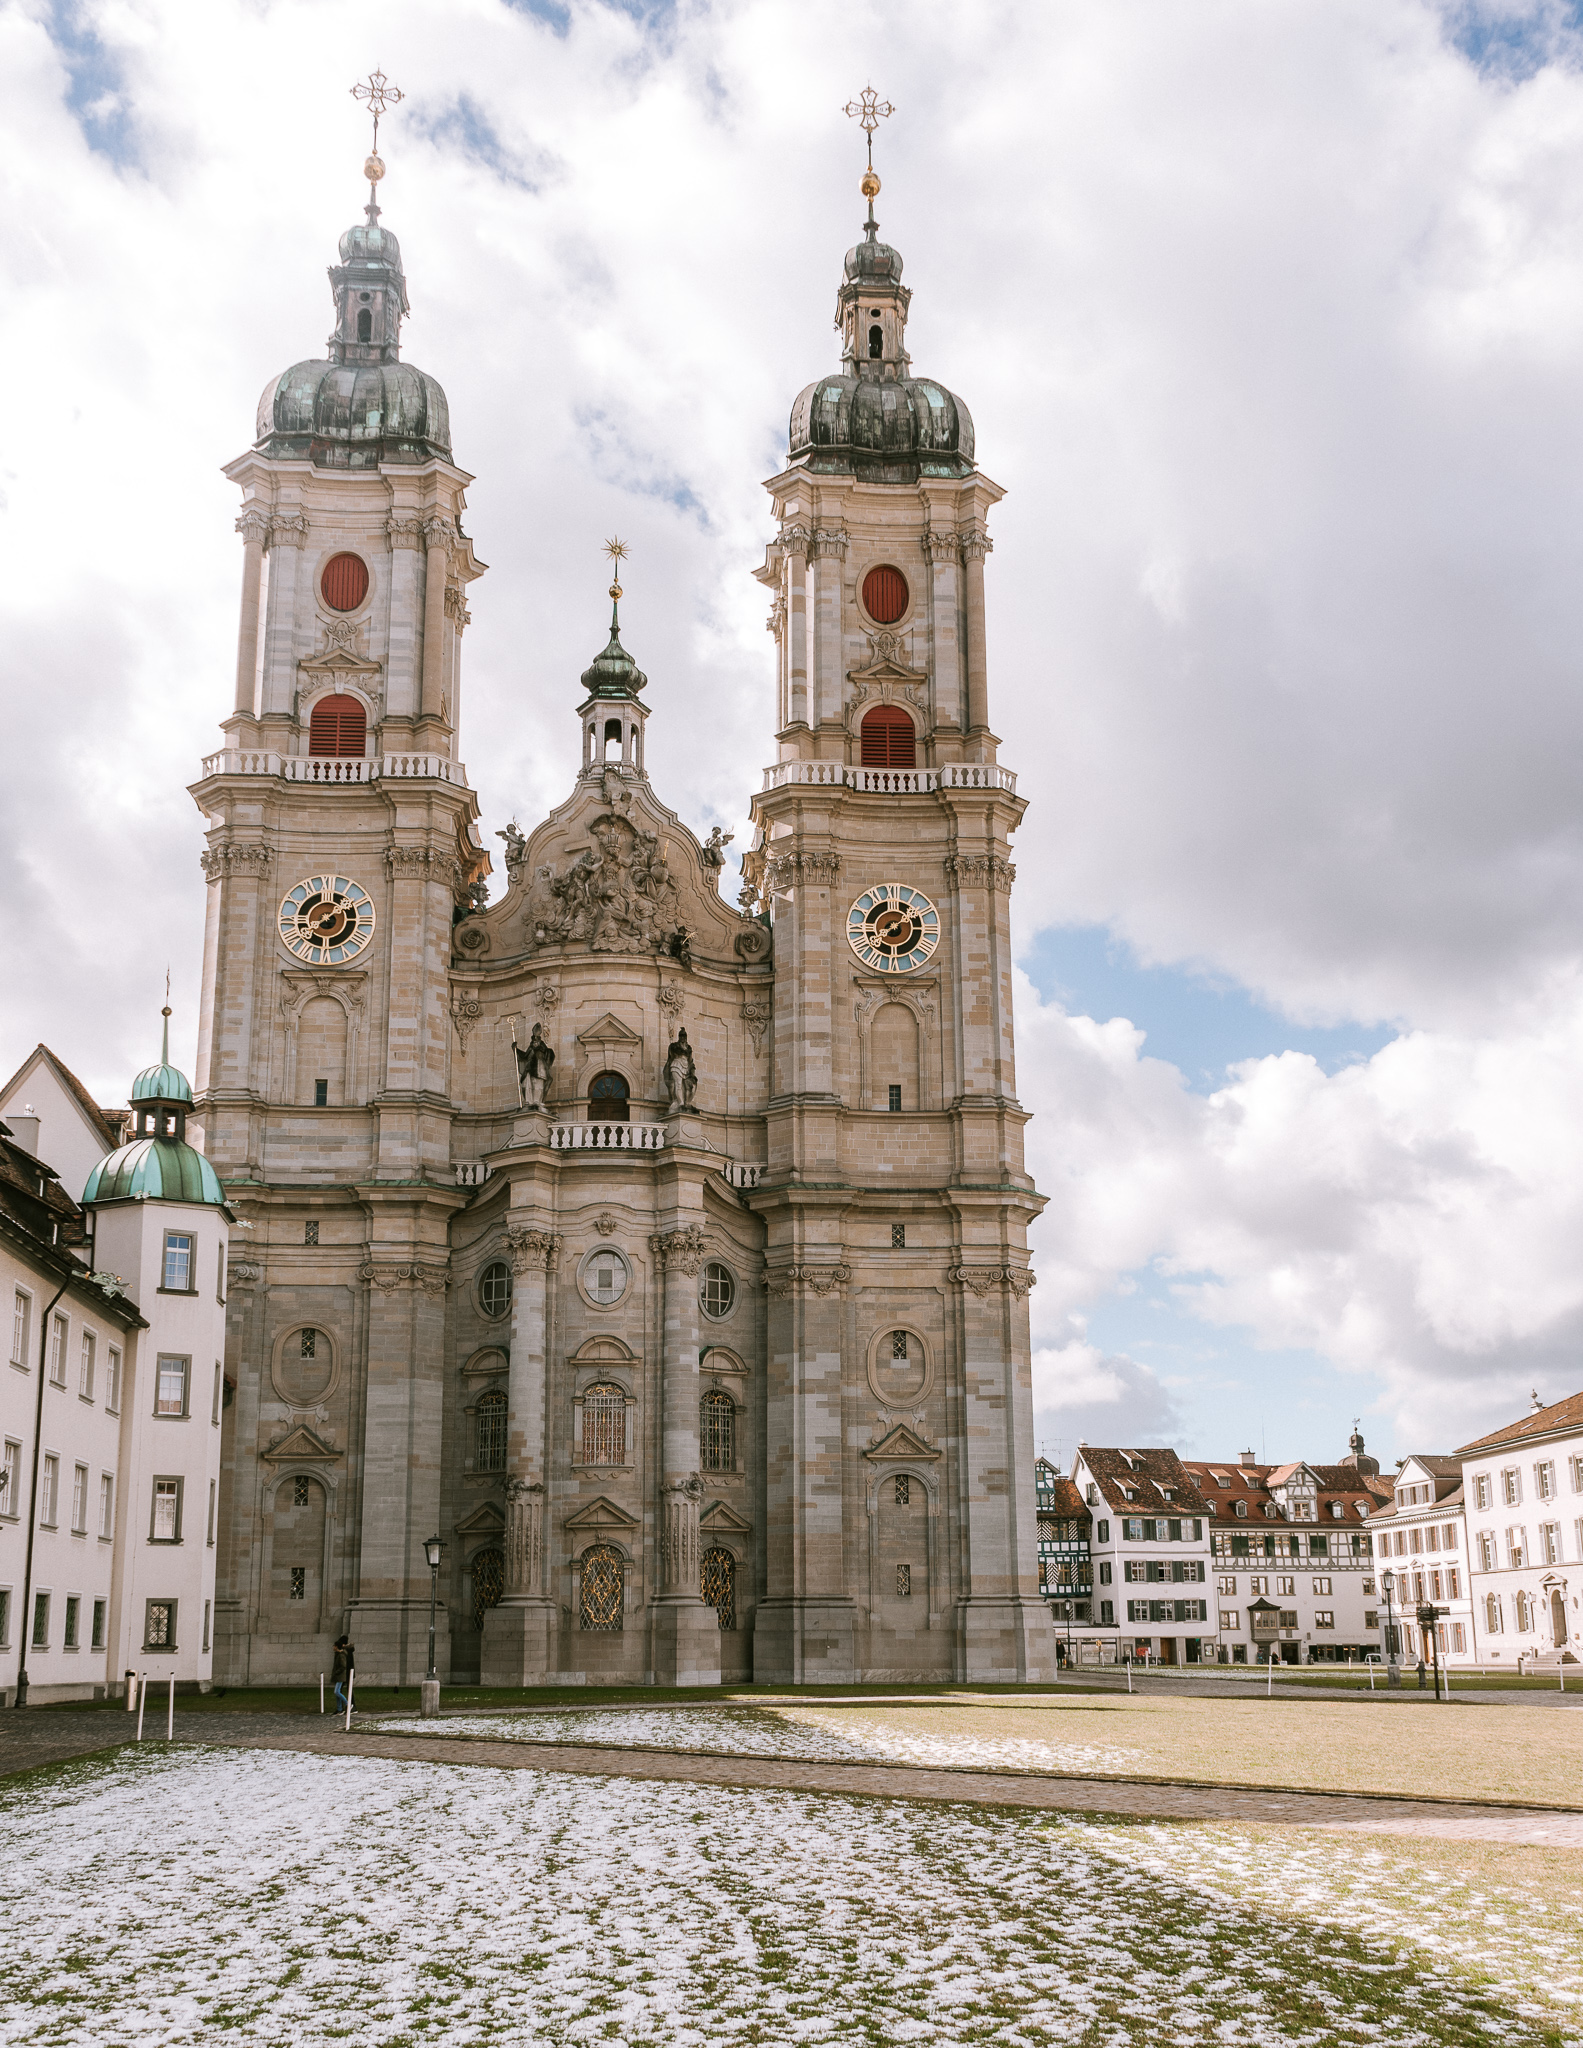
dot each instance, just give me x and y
(980, 1280)
(388, 1277)
(820, 1280)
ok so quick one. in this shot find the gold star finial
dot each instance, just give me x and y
(618, 551)
(378, 94)
(868, 110)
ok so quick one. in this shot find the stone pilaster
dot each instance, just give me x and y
(1003, 1629)
(253, 527)
(686, 1632)
(400, 1483)
(975, 546)
(519, 1633)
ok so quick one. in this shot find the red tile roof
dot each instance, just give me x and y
(1137, 1482)
(1560, 1415)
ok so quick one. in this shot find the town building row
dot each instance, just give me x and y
(1144, 1554)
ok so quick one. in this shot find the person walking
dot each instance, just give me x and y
(341, 1669)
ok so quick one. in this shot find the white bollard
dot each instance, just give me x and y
(142, 1691)
(170, 1710)
(321, 1692)
(350, 1677)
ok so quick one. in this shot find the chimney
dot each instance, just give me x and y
(1248, 1458)
(24, 1128)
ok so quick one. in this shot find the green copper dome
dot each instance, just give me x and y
(155, 1170)
(163, 1083)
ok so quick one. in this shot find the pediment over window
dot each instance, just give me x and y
(901, 1442)
(485, 1520)
(599, 1516)
(721, 1519)
(609, 1031)
(301, 1446)
(604, 1351)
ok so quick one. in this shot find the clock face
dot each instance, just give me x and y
(893, 928)
(326, 920)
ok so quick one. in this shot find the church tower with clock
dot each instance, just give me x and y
(663, 1256)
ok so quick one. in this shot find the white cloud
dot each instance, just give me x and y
(1084, 1395)
(1269, 321)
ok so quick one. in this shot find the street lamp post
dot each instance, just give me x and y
(1393, 1669)
(1428, 1618)
(430, 1696)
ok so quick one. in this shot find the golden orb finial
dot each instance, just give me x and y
(868, 185)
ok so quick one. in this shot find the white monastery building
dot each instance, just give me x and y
(664, 1256)
(109, 1489)
(1521, 1500)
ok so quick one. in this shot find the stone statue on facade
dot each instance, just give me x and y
(516, 851)
(535, 1064)
(679, 946)
(714, 847)
(681, 1073)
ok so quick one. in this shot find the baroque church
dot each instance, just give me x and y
(663, 1255)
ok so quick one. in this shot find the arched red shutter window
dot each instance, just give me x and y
(344, 582)
(338, 728)
(889, 739)
(885, 595)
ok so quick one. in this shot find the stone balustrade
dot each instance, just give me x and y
(891, 781)
(607, 1137)
(335, 771)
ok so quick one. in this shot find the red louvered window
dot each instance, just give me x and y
(344, 582)
(338, 728)
(885, 595)
(889, 740)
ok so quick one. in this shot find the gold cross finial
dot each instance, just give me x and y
(868, 110)
(618, 551)
(378, 93)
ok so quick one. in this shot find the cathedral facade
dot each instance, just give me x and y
(663, 1255)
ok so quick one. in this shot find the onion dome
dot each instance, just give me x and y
(874, 419)
(613, 673)
(157, 1164)
(362, 406)
(155, 1170)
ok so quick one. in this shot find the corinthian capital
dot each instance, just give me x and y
(975, 544)
(532, 1250)
(254, 528)
(681, 1249)
(288, 533)
(830, 541)
(941, 547)
(404, 532)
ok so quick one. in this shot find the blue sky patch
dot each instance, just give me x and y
(96, 94)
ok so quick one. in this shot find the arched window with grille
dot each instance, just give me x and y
(599, 1595)
(604, 1424)
(338, 729)
(492, 1432)
(609, 1099)
(717, 1432)
(719, 1586)
(889, 738)
(489, 1582)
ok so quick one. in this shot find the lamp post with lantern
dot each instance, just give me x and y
(430, 1696)
(1393, 1668)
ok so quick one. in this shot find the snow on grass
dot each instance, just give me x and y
(178, 1896)
(769, 1732)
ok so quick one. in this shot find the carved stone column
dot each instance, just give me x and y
(253, 527)
(686, 1632)
(437, 536)
(795, 541)
(1004, 1633)
(975, 546)
(519, 1633)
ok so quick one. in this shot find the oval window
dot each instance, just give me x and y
(604, 1276)
(885, 594)
(719, 1291)
(494, 1288)
(344, 583)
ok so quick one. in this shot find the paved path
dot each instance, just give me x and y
(41, 1737)
(1049, 1794)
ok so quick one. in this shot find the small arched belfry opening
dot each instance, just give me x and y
(338, 728)
(888, 738)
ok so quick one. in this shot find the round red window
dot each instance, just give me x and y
(885, 595)
(344, 582)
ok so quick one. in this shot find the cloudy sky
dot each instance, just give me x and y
(1271, 320)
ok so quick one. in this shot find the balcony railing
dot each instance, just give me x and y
(607, 1137)
(333, 771)
(891, 781)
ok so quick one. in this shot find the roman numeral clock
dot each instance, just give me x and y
(326, 920)
(893, 928)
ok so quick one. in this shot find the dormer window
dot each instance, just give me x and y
(876, 343)
(1221, 1479)
(1241, 1507)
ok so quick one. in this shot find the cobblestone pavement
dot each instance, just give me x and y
(41, 1737)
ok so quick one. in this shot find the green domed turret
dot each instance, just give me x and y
(157, 1164)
